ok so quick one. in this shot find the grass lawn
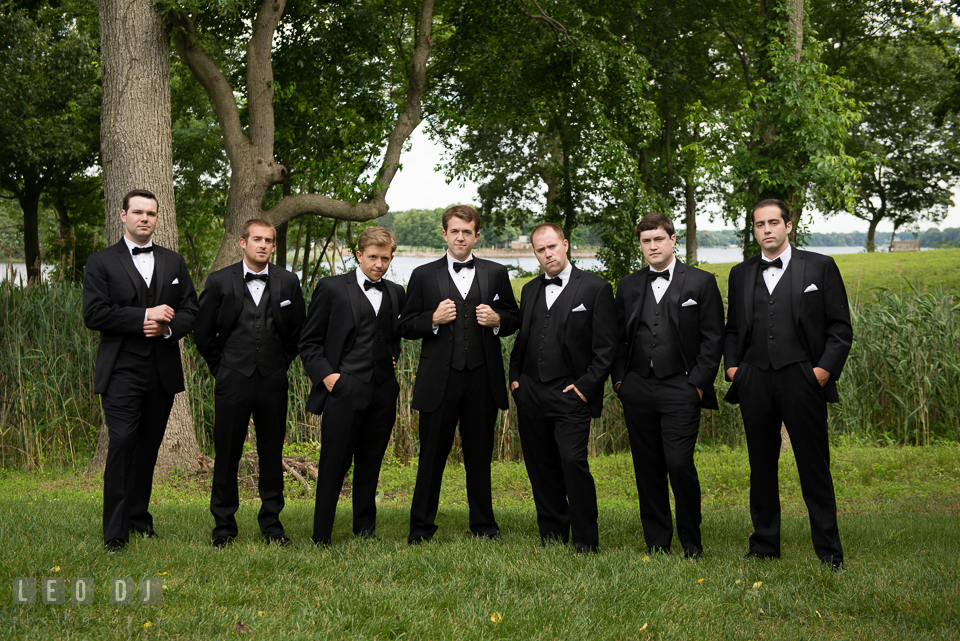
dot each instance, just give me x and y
(900, 520)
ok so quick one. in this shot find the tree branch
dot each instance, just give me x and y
(260, 86)
(296, 205)
(215, 85)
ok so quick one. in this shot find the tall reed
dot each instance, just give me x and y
(901, 383)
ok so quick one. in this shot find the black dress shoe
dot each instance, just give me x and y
(220, 542)
(490, 536)
(656, 549)
(417, 540)
(147, 534)
(835, 565)
(583, 548)
(114, 545)
(278, 539)
(320, 544)
(694, 555)
(753, 554)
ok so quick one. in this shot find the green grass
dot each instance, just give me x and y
(899, 516)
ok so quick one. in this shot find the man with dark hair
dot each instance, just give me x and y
(559, 363)
(140, 298)
(670, 318)
(460, 306)
(247, 330)
(787, 338)
(349, 348)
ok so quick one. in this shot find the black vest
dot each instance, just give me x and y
(654, 340)
(774, 339)
(543, 360)
(370, 357)
(147, 297)
(254, 341)
(467, 332)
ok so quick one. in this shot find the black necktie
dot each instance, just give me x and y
(142, 250)
(251, 276)
(665, 275)
(553, 281)
(376, 284)
(467, 265)
(765, 265)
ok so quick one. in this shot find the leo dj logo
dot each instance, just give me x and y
(55, 590)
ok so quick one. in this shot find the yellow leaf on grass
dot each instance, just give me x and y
(496, 618)
(756, 586)
(55, 568)
(644, 627)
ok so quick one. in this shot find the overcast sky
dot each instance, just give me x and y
(419, 185)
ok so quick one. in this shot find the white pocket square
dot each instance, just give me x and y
(812, 288)
(176, 281)
(579, 308)
(284, 303)
(496, 297)
(689, 303)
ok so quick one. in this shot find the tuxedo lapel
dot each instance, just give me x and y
(443, 278)
(796, 284)
(354, 294)
(527, 305)
(394, 307)
(123, 255)
(640, 289)
(749, 287)
(480, 274)
(238, 285)
(159, 269)
(673, 297)
(572, 297)
(273, 282)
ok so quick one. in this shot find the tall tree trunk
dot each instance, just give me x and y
(137, 152)
(872, 234)
(29, 200)
(690, 205)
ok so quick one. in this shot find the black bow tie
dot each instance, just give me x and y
(665, 275)
(376, 284)
(251, 276)
(142, 250)
(553, 281)
(765, 265)
(467, 265)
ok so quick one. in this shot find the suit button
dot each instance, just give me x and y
(771, 313)
(771, 336)
(771, 301)
(654, 333)
(657, 313)
(771, 325)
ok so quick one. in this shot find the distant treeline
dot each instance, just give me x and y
(932, 237)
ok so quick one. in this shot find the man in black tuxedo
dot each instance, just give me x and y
(787, 338)
(349, 347)
(140, 298)
(670, 318)
(461, 306)
(560, 361)
(247, 330)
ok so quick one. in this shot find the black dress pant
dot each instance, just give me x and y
(663, 421)
(358, 418)
(236, 399)
(469, 402)
(791, 396)
(135, 409)
(554, 435)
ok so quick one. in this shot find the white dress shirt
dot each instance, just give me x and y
(374, 295)
(771, 275)
(660, 285)
(552, 292)
(462, 279)
(143, 262)
(255, 287)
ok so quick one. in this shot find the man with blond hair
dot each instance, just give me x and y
(349, 347)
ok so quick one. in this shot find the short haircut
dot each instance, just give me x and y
(545, 226)
(378, 237)
(652, 222)
(767, 202)
(257, 222)
(141, 193)
(464, 212)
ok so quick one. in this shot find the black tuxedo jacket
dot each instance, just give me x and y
(112, 287)
(429, 286)
(331, 330)
(696, 320)
(821, 314)
(221, 303)
(589, 336)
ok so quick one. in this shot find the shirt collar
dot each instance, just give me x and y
(361, 277)
(563, 275)
(247, 270)
(670, 268)
(131, 244)
(784, 256)
(451, 260)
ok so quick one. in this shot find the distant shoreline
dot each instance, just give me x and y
(491, 253)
